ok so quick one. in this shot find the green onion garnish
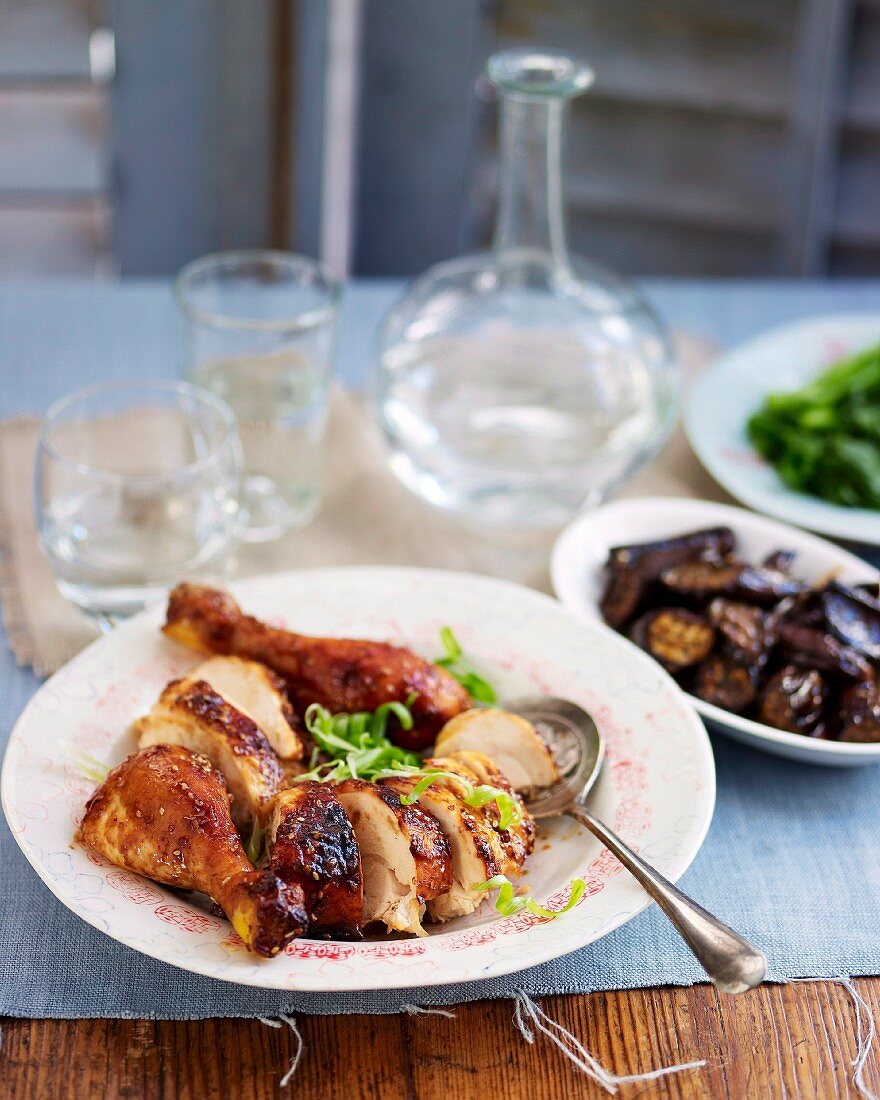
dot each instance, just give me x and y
(254, 847)
(457, 665)
(358, 748)
(476, 795)
(357, 744)
(88, 766)
(507, 903)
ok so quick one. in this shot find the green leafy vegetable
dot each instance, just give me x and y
(457, 665)
(824, 439)
(357, 747)
(508, 902)
(476, 795)
(254, 846)
(88, 766)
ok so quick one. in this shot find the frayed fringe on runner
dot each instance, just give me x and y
(417, 1010)
(866, 1030)
(527, 1015)
(291, 1023)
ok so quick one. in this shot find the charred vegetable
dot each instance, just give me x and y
(811, 648)
(632, 569)
(753, 639)
(701, 580)
(780, 560)
(723, 682)
(854, 616)
(761, 584)
(677, 638)
(794, 699)
(747, 634)
(860, 712)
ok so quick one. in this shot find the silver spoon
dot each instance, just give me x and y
(731, 962)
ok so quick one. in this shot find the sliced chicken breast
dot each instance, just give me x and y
(512, 844)
(190, 713)
(477, 854)
(518, 839)
(311, 843)
(405, 855)
(511, 742)
(259, 693)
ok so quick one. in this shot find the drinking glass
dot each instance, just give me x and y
(259, 332)
(137, 486)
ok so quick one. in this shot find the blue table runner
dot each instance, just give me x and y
(793, 856)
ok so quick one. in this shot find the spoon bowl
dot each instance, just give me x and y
(577, 748)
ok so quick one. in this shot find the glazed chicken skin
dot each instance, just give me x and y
(405, 856)
(344, 675)
(475, 850)
(164, 813)
(518, 839)
(312, 846)
(259, 693)
(190, 713)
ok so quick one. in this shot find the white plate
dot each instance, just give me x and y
(722, 398)
(657, 788)
(577, 568)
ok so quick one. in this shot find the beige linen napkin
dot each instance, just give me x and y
(367, 518)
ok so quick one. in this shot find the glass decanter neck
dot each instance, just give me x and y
(535, 87)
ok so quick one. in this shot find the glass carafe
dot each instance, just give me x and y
(518, 386)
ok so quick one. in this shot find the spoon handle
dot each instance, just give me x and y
(732, 963)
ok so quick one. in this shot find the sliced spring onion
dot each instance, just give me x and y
(357, 744)
(476, 795)
(508, 902)
(457, 665)
(87, 765)
(254, 846)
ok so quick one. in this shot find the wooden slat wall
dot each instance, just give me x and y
(54, 202)
(722, 137)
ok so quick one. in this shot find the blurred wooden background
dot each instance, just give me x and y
(723, 137)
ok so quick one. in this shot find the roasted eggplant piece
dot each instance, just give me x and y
(854, 616)
(632, 569)
(780, 561)
(747, 634)
(809, 648)
(702, 580)
(674, 636)
(760, 584)
(860, 712)
(724, 683)
(794, 699)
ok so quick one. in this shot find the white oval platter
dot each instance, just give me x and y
(578, 563)
(657, 787)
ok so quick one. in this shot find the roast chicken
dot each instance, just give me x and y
(312, 845)
(511, 742)
(259, 693)
(342, 674)
(518, 839)
(190, 713)
(218, 758)
(406, 857)
(164, 813)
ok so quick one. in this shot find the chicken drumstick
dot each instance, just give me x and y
(164, 813)
(339, 673)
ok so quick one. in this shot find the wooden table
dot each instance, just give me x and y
(778, 1041)
(794, 1041)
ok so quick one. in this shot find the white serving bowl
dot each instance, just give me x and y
(577, 568)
